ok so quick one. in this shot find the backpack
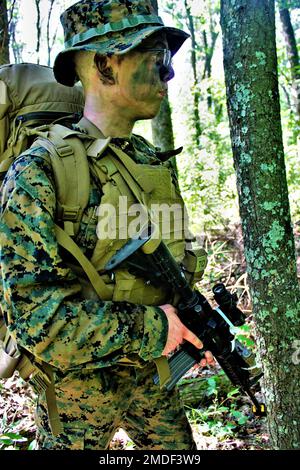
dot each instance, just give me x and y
(31, 100)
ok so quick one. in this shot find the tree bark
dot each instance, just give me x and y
(155, 5)
(162, 128)
(50, 42)
(196, 92)
(4, 36)
(16, 45)
(209, 52)
(254, 111)
(38, 29)
(292, 55)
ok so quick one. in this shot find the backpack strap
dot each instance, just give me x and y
(42, 380)
(97, 282)
(71, 174)
(40, 376)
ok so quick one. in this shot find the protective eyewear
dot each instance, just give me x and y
(163, 56)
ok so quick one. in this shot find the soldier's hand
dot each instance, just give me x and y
(178, 332)
(209, 360)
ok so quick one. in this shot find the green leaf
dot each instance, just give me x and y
(235, 391)
(13, 437)
(33, 445)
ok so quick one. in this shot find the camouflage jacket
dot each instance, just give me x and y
(41, 295)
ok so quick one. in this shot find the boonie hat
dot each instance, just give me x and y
(109, 27)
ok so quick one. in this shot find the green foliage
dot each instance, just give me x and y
(288, 4)
(206, 173)
(11, 438)
(207, 177)
(245, 337)
(222, 418)
(290, 120)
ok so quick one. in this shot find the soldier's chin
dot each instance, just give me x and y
(150, 113)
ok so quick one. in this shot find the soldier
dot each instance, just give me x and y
(101, 352)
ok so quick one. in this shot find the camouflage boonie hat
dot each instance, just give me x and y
(109, 27)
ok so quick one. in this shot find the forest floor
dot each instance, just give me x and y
(220, 417)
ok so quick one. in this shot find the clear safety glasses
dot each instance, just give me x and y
(163, 56)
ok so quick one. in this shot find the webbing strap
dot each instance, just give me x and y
(132, 168)
(163, 370)
(68, 244)
(57, 165)
(136, 189)
(42, 380)
(54, 420)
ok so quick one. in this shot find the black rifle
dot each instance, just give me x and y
(215, 327)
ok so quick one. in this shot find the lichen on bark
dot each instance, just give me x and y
(254, 113)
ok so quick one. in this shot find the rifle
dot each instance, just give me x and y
(147, 256)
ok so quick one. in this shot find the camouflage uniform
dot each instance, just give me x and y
(83, 339)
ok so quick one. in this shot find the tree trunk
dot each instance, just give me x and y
(16, 45)
(162, 128)
(293, 56)
(50, 41)
(4, 37)
(209, 52)
(193, 392)
(38, 30)
(253, 105)
(155, 5)
(196, 92)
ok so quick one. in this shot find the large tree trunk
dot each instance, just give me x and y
(4, 37)
(293, 56)
(253, 104)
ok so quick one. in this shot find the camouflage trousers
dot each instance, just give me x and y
(94, 404)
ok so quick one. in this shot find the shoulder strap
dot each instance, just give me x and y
(97, 282)
(117, 161)
(71, 174)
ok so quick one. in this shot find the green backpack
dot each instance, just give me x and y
(30, 101)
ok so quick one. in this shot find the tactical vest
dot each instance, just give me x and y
(124, 184)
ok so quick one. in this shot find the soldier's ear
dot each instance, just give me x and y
(106, 74)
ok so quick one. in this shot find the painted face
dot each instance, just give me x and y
(141, 78)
